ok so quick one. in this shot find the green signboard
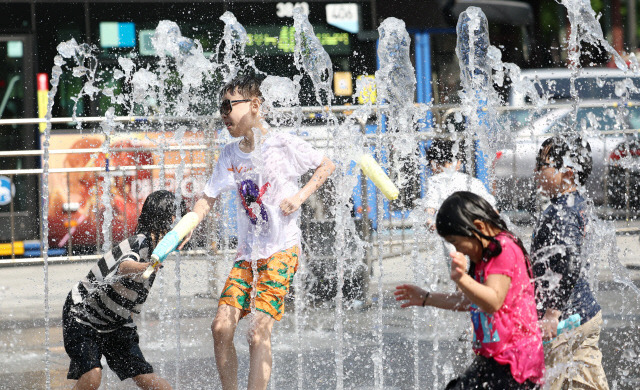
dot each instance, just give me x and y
(280, 40)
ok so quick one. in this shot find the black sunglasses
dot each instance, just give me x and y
(227, 105)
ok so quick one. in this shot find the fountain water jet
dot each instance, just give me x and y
(148, 86)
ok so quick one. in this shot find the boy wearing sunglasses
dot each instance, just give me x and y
(263, 167)
(573, 359)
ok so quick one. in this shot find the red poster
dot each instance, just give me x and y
(78, 205)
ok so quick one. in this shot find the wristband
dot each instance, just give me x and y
(424, 302)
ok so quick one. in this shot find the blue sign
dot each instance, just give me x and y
(7, 190)
(117, 34)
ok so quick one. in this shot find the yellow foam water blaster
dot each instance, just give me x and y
(170, 242)
(374, 172)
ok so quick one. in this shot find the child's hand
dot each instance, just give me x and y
(413, 295)
(549, 324)
(290, 205)
(458, 265)
(185, 240)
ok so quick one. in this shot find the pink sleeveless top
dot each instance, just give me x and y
(511, 335)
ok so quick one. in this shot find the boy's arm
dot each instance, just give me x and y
(201, 208)
(322, 173)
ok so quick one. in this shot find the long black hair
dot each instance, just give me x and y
(457, 213)
(157, 213)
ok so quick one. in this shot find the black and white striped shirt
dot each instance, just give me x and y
(105, 300)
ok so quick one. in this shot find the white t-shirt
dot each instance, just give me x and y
(442, 185)
(262, 180)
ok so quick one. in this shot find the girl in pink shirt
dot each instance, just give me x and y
(497, 291)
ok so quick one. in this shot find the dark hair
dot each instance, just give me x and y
(247, 85)
(567, 151)
(457, 213)
(157, 212)
(441, 151)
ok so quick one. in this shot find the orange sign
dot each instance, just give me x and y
(342, 84)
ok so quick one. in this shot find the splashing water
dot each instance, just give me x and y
(168, 40)
(524, 86)
(396, 77)
(396, 83)
(586, 28)
(108, 126)
(191, 64)
(477, 96)
(280, 106)
(310, 56)
(396, 89)
(65, 50)
(602, 252)
(472, 49)
(235, 40)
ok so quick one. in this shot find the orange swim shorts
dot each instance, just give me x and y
(275, 275)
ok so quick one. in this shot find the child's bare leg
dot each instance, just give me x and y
(223, 328)
(259, 338)
(90, 380)
(151, 382)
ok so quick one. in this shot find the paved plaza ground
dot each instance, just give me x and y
(363, 346)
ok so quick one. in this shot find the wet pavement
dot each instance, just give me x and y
(314, 347)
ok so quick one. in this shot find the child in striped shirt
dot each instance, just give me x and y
(97, 313)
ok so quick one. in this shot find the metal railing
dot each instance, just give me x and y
(439, 115)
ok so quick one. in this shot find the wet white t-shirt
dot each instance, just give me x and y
(442, 185)
(262, 180)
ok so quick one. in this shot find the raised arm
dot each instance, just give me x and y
(489, 296)
(201, 209)
(322, 173)
(203, 206)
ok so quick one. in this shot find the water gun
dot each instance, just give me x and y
(572, 322)
(374, 172)
(170, 242)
